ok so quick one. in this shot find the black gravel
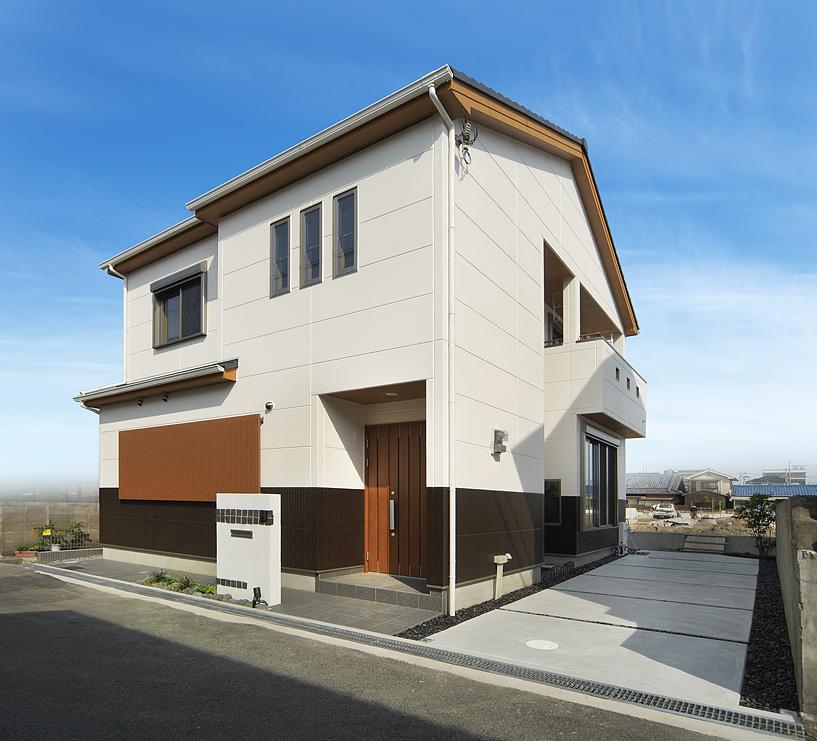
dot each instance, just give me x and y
(442, 622)
(768, 678)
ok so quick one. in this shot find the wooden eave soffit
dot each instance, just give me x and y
(228, 375)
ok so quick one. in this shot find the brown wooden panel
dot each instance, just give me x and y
(396, 471)
(403, 501)
(370, 494)
(192, 461)
(383, 500)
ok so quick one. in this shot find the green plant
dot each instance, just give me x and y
(157, 577)
(22, 548)
(758, 514)
(206, 588)
(184, 582)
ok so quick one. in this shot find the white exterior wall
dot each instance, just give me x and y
(510, 200)
(141, 359)
(387, 322)
(373, 327)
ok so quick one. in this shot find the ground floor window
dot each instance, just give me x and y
(553, 502)
(600, 494)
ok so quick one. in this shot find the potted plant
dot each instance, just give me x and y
(27, 552)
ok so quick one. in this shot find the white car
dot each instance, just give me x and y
(664, 511)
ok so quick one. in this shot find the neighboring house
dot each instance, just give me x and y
(706, 488)
(787, 475)
(646, 489)
(294, 336)
(778, 492)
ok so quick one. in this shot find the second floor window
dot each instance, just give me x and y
(279, 259)
(178, 306)
(345, 239)
(311, 246)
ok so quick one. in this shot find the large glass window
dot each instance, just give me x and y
(345, 234)
(279, 259)
(600, 494)
(311, 246)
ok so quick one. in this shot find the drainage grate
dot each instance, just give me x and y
(787, 729)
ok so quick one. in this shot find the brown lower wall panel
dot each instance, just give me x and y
(321, 528)
(185, 528)
(494, 522)
(191, 461)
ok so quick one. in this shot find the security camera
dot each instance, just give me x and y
(269, 406)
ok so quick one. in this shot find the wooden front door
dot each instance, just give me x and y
(396, 523)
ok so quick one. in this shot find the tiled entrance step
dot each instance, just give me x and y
(705, 544)
(393, 590)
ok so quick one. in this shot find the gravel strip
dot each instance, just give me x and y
(768, 677)
(442, 622)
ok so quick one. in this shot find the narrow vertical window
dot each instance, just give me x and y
(311, 246)
(345, 234)
(279, 257)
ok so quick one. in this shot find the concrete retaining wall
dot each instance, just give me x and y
(18, 520)
(797, 566)
(674, 541)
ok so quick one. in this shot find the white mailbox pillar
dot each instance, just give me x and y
(248, 545)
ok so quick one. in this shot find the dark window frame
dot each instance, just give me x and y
(337, 270)
(305, 282)
(599, 508)
(166, 289)
(558, 484)
(274, 259)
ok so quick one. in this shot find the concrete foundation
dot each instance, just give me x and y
(161, 561)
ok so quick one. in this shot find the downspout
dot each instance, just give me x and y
(452, 486)
(112, 271)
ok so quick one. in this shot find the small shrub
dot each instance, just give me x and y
(206, 588)
(759, 514)
(159, 576)
(184, 581)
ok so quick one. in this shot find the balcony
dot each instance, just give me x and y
(590, 377)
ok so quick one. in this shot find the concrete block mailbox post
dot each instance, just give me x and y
(248, 546)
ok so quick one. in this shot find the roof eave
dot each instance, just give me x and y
(173, 231)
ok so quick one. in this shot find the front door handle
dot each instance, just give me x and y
(391, 514)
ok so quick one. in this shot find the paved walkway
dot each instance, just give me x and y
(675, 624)
(328, 608)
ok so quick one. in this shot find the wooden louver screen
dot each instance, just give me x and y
(192, 461)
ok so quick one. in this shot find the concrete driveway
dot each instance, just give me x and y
(669, 623)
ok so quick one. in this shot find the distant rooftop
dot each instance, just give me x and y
(669, 481)
(775, 490)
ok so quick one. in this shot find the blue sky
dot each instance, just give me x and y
(700, 118)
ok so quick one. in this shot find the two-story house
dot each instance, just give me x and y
(410, 325)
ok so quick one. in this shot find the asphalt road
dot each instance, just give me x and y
(77, 663)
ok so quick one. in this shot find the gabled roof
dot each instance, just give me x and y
(775, 490)
(463, 97)
(707, 472)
